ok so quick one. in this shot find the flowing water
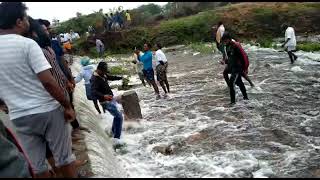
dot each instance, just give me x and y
(274, 134)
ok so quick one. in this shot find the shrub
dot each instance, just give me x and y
(308, 46)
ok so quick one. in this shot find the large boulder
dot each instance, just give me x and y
(131, 106)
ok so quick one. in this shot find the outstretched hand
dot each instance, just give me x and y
(137, 52)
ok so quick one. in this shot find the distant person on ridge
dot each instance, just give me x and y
(236, 65)
(100, 47)
(148, 72)
(161, 68)
(290, 43)
(128, 18)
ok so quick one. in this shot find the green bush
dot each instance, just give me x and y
(202, 47)
(308, 46)
(118, 70)
(265, 42)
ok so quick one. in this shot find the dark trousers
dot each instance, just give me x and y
(292, 56)
(236, 79)
(75, 124)
(117, 118)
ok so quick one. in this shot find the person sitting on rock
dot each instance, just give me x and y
(86, 73)
(102, 91)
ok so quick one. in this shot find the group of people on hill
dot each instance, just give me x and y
(37, 88)
(118, 20)
(236, 60)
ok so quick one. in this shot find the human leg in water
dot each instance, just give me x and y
(246, 77)
(155, 87)
(236, 79)
(163, 86)
(292, 56)
(117, 119)
(226, 75)
(167, 85)
(242, 87)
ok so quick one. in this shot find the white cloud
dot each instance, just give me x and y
(66, 10)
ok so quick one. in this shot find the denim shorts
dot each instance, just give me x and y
(149, 74)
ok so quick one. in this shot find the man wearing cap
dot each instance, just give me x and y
(101, 90)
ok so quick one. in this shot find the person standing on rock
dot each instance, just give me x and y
(102, 91)
(86, 73)
(148, 71)
(37, 105)
(236, 66)
(290, 42)
(161, 68)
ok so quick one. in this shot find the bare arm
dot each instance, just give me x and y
(286, 42)
(53, 88)
(66, 67)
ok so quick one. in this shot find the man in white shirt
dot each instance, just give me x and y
(290, 42)
(161, 68)
(37, 105)
(100, 47)
(219, 35)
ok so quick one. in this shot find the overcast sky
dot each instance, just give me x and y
(66, 10)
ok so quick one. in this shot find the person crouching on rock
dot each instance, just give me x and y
(102, 91)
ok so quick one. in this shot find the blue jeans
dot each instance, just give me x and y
(117, 118)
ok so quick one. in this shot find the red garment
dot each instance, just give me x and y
(245, 66)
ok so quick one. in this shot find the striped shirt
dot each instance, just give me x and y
(21, 59)
(56, 70)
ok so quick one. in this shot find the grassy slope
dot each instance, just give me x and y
(255, 21)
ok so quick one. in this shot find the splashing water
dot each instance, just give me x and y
(274, 134)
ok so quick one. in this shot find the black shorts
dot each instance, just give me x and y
(149, 74)
(162, 72)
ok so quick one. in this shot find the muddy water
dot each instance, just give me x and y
(274, 134)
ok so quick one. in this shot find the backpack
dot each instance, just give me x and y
(245, 66)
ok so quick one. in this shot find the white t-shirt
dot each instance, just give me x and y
(220, 33)
(67, 37)
(290, 34)
(160, 56)
(20, 60)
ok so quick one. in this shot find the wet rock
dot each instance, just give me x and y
(195, 138)
(163, 149)
(267, 66)
(312, 113)
(131, 106)
(231, 119)
(316, 173)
